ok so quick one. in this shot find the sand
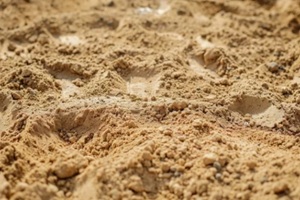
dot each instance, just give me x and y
(160, 99)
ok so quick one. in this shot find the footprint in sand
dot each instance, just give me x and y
(262, 111)
(142, 85)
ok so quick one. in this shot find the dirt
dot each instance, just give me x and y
(161, 99)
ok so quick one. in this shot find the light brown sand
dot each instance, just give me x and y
(160, 99)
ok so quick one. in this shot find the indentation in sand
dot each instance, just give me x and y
(68, 88)
(142, 86)
(5, 102)
(197, 65)
(65, 79)
(262, 111)
(68, 124)
(296, 80)
(269, 117)
(163, 8)
(202, 19)
(204, 43)
(70, 40)
(144, 10)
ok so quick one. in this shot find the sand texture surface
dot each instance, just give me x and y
(149, 99)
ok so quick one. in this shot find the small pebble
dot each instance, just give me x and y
(273, 67)
(26, 73)
(136, 184)
(280, 187)
(147, 155)
(153, 98)
(251, 165)
(218, 176)
(217, 165)
(16, 95)
(177, 106)
(209, 158)
(286, 91)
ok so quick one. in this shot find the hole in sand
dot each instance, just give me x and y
(142, 85)
(261, 110)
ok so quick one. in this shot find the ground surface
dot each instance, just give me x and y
(127, 99)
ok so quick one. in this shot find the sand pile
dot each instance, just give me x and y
(161, 99)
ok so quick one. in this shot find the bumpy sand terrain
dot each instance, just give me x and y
(149, 99)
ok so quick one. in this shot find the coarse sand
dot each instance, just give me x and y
(149, 99)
